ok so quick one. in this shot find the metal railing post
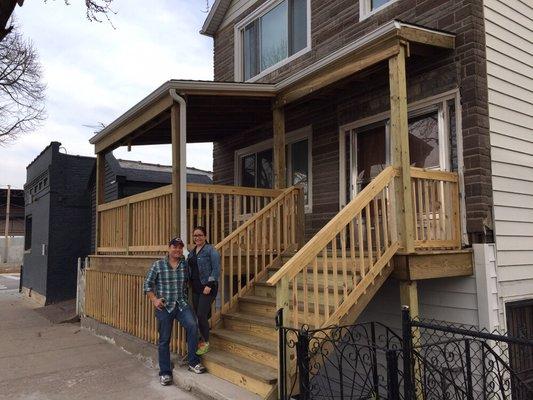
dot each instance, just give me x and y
(302, 358)
(407, 354)
(470, 392)
(282, 359)
(393, 389)
(375, 376)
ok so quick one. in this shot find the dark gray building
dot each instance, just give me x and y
(60, 213)
(57, 213)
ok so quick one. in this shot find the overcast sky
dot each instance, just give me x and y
(94, 73)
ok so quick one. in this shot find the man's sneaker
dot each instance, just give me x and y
(197, 369)
(202, 348)
(165, 380)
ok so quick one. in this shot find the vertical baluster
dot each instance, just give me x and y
(325, 274)
(433, 202)
(215, 218)
(304, 295)
(377, 230)
(278, 228)
(442, 210)
(415, 210)
(223, 276)
(316, 293)
(361, 245)
(207, 215)
(230, 216)
(222, 215)
(263, 239)
(335, 273)
(343, 262)
(295, 308)
(239, 263)
(256, 259)
(286, 216)
(423, 231)
(368, 223)
(247, 249)
(384, 216)
(429, 231)
(271, 235)
(352, 253)
(231, 271)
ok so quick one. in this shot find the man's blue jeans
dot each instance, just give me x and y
(187, 319)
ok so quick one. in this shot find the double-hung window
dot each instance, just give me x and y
(254, 165)
(277, 34)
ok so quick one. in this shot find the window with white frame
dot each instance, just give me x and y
(274, 35)
(369, 7)
(254, 164)
(365, 144)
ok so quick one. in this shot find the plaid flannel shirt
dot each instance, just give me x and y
(169, 283)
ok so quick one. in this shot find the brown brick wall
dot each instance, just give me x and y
(334, 24)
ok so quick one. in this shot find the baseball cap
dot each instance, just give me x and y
(176, 242)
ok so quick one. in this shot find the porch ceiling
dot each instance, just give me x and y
(216, 109)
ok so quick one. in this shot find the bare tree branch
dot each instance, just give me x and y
(21, 89)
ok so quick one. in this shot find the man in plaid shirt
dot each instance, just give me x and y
(166, 287)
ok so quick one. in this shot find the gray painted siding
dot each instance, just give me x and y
(509, 40)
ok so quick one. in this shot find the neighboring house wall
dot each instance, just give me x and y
(60, 215)
(335, 23)
(509, 38)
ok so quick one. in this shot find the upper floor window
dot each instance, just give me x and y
(369, 7)
(272, 37)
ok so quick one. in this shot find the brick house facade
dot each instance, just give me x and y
(335, 24)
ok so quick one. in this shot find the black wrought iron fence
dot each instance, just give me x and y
(425, 361)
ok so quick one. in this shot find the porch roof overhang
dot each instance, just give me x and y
(221, 108)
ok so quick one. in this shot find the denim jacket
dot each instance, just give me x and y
(208, 264)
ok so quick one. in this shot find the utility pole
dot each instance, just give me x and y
(8, 206)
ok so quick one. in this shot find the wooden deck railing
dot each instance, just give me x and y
(249, 250)
(436, 209)
(356, 245)
(117, 299)
(142, 224)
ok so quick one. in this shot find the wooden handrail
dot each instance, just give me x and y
(256, 216)
(191, 188)
(444, 176)
(306, 254)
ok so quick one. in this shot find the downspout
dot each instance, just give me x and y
(183, 167)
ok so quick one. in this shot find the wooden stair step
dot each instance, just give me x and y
(255, 319)
(256, 377)
(266, 345)
(270, 304)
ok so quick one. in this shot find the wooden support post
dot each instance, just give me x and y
(6, 233)
(278, 124)
(176, 162)
(100, 186)
(399, 134)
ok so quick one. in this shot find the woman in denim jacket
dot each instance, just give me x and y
(204, 270)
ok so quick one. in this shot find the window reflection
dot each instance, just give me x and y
(424, 141)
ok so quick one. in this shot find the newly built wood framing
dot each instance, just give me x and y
(405, 221)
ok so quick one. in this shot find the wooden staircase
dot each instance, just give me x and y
(328, 281)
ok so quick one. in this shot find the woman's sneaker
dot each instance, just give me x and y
(165, 380)
(202, 348)
(197, 369)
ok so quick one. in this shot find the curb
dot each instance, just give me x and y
(206, 386)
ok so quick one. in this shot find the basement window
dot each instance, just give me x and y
(370, 7)
(273, 36)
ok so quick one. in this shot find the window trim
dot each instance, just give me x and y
(291, 137)
(365, 11)
(239, 41)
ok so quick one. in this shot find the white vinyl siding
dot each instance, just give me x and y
(509, 41)
(236, 8)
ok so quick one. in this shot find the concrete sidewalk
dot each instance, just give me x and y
(43, 361)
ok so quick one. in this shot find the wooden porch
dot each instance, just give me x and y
(406, 221)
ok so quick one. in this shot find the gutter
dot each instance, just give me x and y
(182, 167)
